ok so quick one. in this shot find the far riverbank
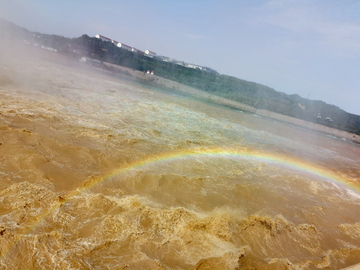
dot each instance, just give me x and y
(162, 82)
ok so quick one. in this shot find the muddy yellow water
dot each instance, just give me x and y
(95, 173)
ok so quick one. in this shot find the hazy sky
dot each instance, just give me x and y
(302, 47)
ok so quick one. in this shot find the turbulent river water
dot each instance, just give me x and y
(99, 173)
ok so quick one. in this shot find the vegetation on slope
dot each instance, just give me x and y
(250, 93)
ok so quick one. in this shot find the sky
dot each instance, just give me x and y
(305, 47)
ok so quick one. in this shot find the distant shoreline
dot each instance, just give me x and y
(153, 79)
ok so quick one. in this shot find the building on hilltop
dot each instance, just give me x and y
(210, 70)
(124, 46)
(193, 66)
(137, 51)
(115, 42)
(103, 38)
(165, 59)
(150, 53)
(119, 44)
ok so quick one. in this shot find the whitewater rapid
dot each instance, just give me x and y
(66, 132)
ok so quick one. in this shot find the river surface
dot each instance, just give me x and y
(99, 173)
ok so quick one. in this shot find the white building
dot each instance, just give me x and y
(137, 51)
(193, 66)
(124, 46)
(150, 53)
(103, 38)
(115, 42)
(328, 119)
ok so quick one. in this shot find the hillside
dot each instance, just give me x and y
(250, 93)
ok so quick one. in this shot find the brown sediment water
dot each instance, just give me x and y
(98, 173)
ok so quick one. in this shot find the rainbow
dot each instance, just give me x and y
(275, 159)
(248, 154)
